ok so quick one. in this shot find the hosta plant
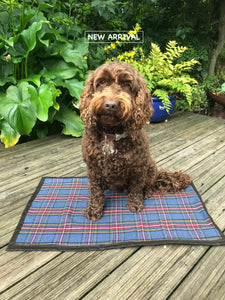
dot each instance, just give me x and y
(42, 74)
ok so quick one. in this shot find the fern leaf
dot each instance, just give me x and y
(173, 50)
(163, 95)
(185, 65)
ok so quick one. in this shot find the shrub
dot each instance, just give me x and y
(164, 75)
(42, 74)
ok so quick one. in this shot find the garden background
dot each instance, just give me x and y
(45, 58)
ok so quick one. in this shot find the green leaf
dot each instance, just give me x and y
(72, 55)
(72, 122)
(40, 35)
(35, 78)
(163, 95)
(81, 45)
(29, 35)
(5, 28)
(223, 87)
(9, 41)
(56, 33)
(25, 42)
(42, 102)
(74, 86)
(5, 80)
(9, 136)
(55, 93)
(26, 17)
(42, 6)
(17, 109)
(56, 66)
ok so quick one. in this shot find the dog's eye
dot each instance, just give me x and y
(126, 84)
(102, 82)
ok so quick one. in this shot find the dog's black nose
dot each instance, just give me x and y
(110, 105)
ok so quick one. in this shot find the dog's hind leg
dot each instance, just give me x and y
(171, 182)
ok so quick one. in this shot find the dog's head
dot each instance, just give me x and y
(115, 95)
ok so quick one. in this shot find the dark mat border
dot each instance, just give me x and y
(21, 247)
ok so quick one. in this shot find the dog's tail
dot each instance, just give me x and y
(171, 182)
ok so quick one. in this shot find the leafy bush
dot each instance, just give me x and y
(199, 101)
(163, 75)
(42, 74)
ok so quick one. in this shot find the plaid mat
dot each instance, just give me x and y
(54, 220)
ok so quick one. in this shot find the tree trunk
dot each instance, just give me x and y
(221, 39)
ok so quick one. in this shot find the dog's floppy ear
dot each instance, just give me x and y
(142, 108)
(84, 102)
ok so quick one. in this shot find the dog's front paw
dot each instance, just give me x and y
(92, 213)
(135, 206)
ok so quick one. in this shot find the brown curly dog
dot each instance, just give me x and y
(114, 107)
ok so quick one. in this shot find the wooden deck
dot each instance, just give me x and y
(190, 142)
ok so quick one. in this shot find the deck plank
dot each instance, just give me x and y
(148, 273)
(207, 278)
(192, 142)
(72, 274)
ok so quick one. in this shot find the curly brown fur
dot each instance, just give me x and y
(115, 106)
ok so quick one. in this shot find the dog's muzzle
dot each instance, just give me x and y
(111, 109)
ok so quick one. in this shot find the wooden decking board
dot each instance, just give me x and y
(48, 149)
(78, 282)
(76, 274)
(21, 266)
(215, 201)
(178, 143)
(148, 273)
(204, 180)
(181, 127)
(36, 144)
(208, 273)
(23, 190)
(189, 141)
(34, 163)
(60, 167)
(193, 153)
(48, 161)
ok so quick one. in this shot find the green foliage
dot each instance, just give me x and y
(199, 101)
(44, 58)
(163, 75)
(18, 109)
(105, 8)
(42, 72)
(223, 88)
(215, 83)
(72, 123)
(96, 56)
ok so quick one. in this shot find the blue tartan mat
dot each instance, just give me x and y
(54, 220)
